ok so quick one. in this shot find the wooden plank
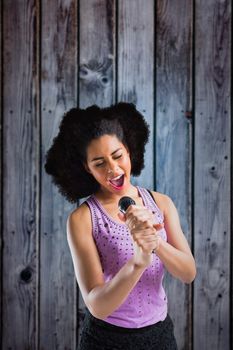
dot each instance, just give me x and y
(173, 137)
(136, 68)
(212, 174)
(58, 289)
(97, 65)
(97, 52)
(21, 176)
(1, 171)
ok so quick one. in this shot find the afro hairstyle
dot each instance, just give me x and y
(64, 160)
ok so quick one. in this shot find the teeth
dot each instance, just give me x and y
(118, 177)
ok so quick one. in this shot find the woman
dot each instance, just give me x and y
(118, 258)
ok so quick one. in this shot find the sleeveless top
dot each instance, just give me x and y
(146, 304)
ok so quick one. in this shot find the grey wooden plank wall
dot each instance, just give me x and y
(173, 60)
(212, 175)
(58, 92)
(174, 135)
(20, 172)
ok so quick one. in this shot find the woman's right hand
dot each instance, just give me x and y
(143, 227)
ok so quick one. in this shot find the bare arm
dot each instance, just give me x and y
(175, 253)
(108, 297)
(100, 298)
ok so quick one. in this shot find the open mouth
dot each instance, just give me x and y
(117, 181)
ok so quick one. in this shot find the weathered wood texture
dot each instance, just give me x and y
(97, 53)
(173, 137)
(212, 175)
(96, 64)
(58, 288)
(1, 170)
(20, 176)
(59, 54)
(135, 78)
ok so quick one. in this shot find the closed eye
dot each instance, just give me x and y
(118, 157)
(100, 164)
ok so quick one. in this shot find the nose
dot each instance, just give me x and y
(112, 167)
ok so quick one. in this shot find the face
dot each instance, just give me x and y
(108, 160)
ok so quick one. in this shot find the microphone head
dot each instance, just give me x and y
(124, 203)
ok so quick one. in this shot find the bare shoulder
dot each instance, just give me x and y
(79, 225)
(81, 210)
(81, 216)
(162, 200)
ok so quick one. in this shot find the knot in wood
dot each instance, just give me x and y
(188, 115)
(26, 275)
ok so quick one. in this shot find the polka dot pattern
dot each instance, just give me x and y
(147, 302)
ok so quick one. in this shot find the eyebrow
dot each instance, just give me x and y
(98, 158)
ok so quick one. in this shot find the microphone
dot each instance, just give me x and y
(124, 203)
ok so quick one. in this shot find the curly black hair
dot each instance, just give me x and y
(65, 158)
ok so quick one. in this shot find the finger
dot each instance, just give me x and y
(158, 226)
(121, 216)
(131, 221)
(140, 218)
(143, 225)
(141, 213)
(144, 231)
(135, 220)
(131, 208)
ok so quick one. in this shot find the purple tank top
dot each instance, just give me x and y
(146, 304)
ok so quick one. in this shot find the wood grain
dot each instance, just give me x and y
(173, 137)
(58, 54)
(20, 177)
(96, 65)
(1, 170)
(97, 53)
(212, 175)
(58, 288)
(135, 80)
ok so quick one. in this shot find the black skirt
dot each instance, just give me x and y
(100, 335)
